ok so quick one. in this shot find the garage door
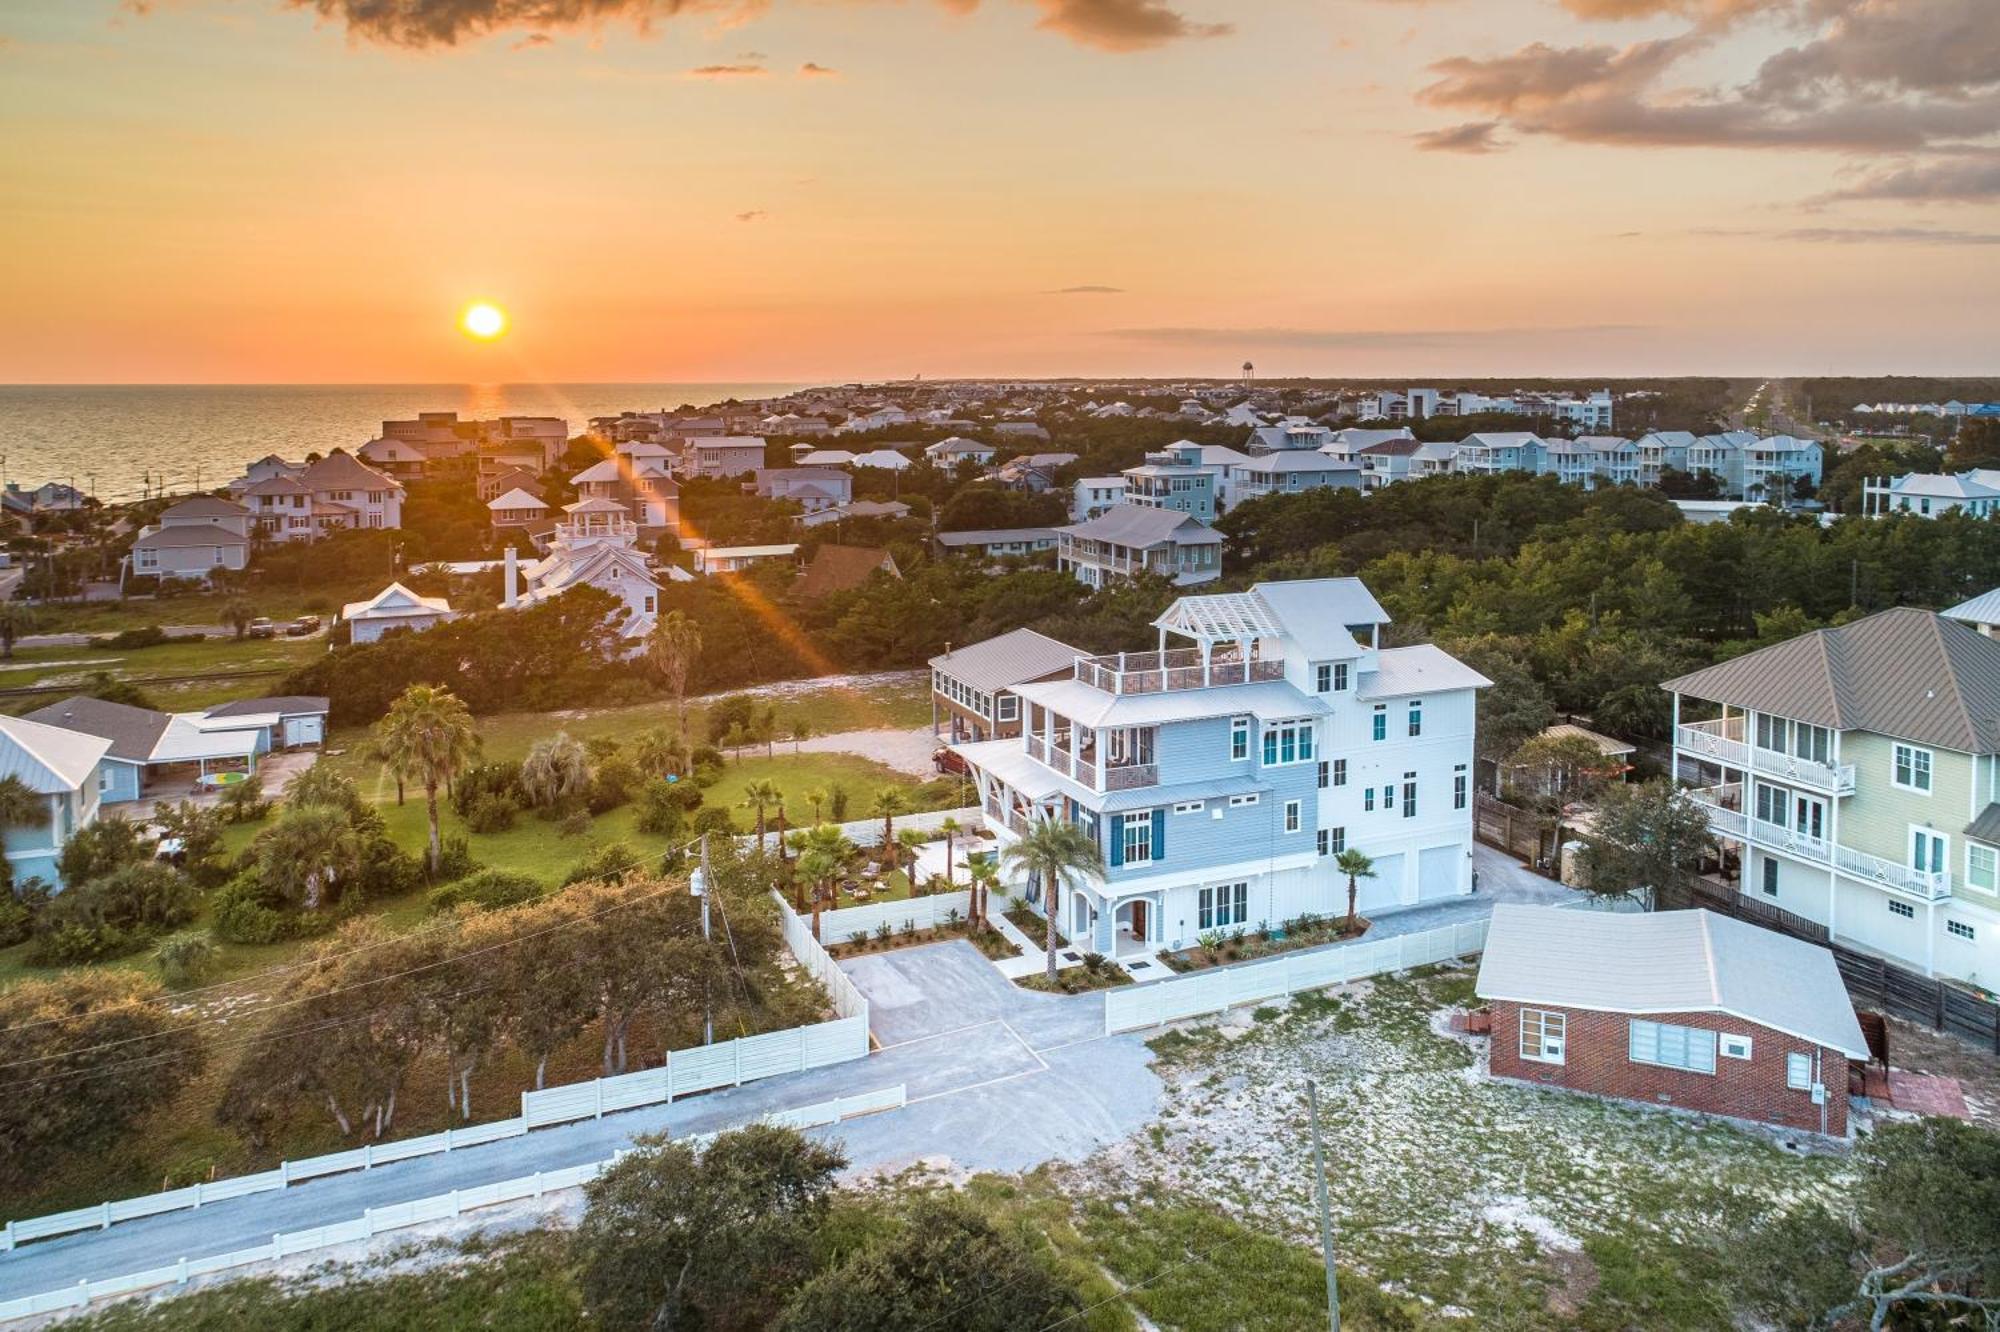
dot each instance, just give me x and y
(1386, 888)
(1438, 870)
(304, 730)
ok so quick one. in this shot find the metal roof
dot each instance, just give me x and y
(995, 535)
(1986, 828)
(190, 537)
(1011, 659)
(1138, 526)
(1668, 962)
(1087, 705)
(285, 705)
(1906, 673)
(1421, 668)
(49, 760)
(1315, 613)
(1982, 609)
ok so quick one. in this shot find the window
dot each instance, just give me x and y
(1417, 718)
(1137, 834)
(1226, 905)
(103, 778)
(1322, 774)
(1323, 679)
(1409, 795)
(1543, 1034)
(1340, 677)
(1770, 883)
(1798, 1072)
(1239, 801)
(1903, 909)
(1291, 816)
(1324, 842)
(651, 602)
(1981, 865)
(1239, 738)
(1288, 742)
(1010, 707)
(1458, 784)
(1735, 1047)
(1336, 840)
(1381, 723)
(1927, 854)
(1368, 799)
(1389, 798)
(1912, 768)
(1671, 1046)
(1960, 929)
(1340, 772)
(1190, 807)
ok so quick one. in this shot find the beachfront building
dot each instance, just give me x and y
(1131, 539)
(335, 493)
(972, 688)
(1855, 774)
(1220, 777)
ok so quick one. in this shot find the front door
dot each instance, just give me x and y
(1139, 922)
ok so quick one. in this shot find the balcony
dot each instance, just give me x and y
(1924, 885)
(1012, 820)
(1723, 742)
(1724, 807)
(1131, 776)
(1720, 741)
(1171, 671)
(1792, 841)
(1058, 759)
(1803, 771)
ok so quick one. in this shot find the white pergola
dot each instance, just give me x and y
(1228, 617)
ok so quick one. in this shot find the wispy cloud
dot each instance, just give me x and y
(812, 69)
(1474, 136)
(1860, 235)
(1349, 338)
(753, 215)
(533, 40)
(1964, 178)
(727, 72)
(1088, 289)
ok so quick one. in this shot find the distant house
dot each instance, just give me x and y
(1092, 495)
(858, 509)
(1163, 482)
(61, 766)
(193, 539)
(1130, 539)
(826, 458)
(514, 478)
(393, 457)
(887, 459)
(335, 492)
(811, 488)
(841, 569)
(592, 546)
(147, 746)
(516, 508)
(1008, 543)
(1981, 612)
(394, 607)
(735, 559)
(1285, 438)
(1681, 1008)
(957, 449)
(1022, 430)
(1289, 472)
(724, 456)
(642, 484)
(972, 688)
(1032, 472)
(286, 721)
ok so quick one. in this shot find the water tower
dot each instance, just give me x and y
(1249, 374)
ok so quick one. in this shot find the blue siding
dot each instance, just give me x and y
(124, 782)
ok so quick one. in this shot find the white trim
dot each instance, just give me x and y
(1930, 767)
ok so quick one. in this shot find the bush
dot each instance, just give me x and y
(607, 862)
(151, 635)
(454, 861)
(18, 907)
(246, 912)
(185, 959)
(660, 810)
(482, 782)
(736, 712)
(488, 890)
(492, 813)
(612, 784)
(389, 871)
(714, 820)
(110, 916)
(574, 824)
(836, 804)
(99, 848)
(244, 802)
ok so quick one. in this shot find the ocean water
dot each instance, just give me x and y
(116, 440)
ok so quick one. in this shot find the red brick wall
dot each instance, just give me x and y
(1596, 1060)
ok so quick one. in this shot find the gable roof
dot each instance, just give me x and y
(1668, 962)
(204, 506)
(131, 732)
(49, 760)
(395, 602)
(188, 536)
(1903, 672)
(515, 499)
(839, 568)
(599, 473)
(1137, 525)
(339, 471)
(1982, 609)
(1012, 658)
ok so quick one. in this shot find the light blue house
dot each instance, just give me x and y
(1221, 779)
(152, 754)
(66, 768)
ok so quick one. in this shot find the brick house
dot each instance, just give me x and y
(1680, 1008)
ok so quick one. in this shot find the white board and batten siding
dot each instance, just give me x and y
(1229, 987)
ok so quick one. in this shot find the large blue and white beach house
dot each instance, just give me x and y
(1221, 779)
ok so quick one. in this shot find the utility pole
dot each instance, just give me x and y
(1325, 1215)
(698, 884)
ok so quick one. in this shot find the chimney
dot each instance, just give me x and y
(507, 594)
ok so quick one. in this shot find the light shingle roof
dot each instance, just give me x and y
(1668, 962)
(1139, 526)
(1906, 673)
(132, 732)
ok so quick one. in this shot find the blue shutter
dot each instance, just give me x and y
(1117, 842)
(1159, 834)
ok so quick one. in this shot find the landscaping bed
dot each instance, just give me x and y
(885, 939)
(1220, 947)
(1098, 972)
(1032, 925)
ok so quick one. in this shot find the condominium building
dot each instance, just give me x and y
(1856, 773)
(1221, 777)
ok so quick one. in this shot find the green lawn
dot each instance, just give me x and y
(329, 592)
(65, 666)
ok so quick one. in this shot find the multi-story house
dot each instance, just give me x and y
(1161, 482)
(1661, 450)
(811, 488)
(1773, 467)
(1617, 459)
(723, 456)
(1721, 456)
(1283, 437)
(1290, 472)
(193, 539)
(1347, 445)
(1092, 495)
(1856, 771)
(1591, 413)
(335, 492)
(972, 688)
(1927, 495)
(65, 769)
(957, 450)
(1220, 778)
(1498, 451)
(1570, 461)
(1129, 539)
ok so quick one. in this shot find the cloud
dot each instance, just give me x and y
(1088, 289)
(814, 70)
(1474, 136)
(1355, 339)
(532, 40)
(1862, 235)
(1972, 178)
(1106, 25)
(754, 215)
(752, 57)
(727, 72)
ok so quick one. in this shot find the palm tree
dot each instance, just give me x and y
(237, 614)
(1055, 852)
(659, 752)
(802, 731)
(428, 734)
(20, 805)
(909, 841)
(1356, 867)
(309, 849)
(889, 802)
(14, 617)
(823, 853)
(673, 648)
(817, 799)
(555, 772)
(985, 876)
(950, 829)
(760, 796)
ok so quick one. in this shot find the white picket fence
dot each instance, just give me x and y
(700, 1068)
(378, 1220)
(1229, 987)
(840, 926)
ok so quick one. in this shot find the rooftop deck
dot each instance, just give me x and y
(1173, 670)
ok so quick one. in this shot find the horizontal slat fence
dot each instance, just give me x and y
(926, 912)
(422, 1211)
(1229, 987)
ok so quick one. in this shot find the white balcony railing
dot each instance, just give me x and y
(1171, 671)
(1720, 741)
(1925, 885)
(1722, 805)
(1791, 840)
(1803, 771)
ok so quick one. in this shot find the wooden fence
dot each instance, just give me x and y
(1518, 832)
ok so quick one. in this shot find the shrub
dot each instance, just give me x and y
(612, 784)
(574, 824)
(185, 959)
(18, 907)
(151, 635)
(488, 890)
(113, 915)
(244, 802)
(607, 862)
(883, 932)
(483, 781)
(859, 938)
(389, 871)
(1093, 962)
(246, 912)
(97, 849)
(454, 860)
(736, 712)
(706, 756)
(836, 804)
(492, 813)
(714, 820)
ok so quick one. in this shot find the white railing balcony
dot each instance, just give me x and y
(1012, 820)
(1791, 841)
(1723, 806)
(1171, 671)
(1131, 776)
(1924, 885)
(1718, 741)
(1838, 779)
(1058, 759)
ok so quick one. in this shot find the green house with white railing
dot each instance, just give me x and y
(1856, 773)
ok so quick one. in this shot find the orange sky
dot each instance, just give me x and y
(250, 190)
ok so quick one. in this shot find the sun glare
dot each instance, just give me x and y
(483, 320)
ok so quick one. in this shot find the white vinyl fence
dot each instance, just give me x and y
(378, 1220)
(840, 926)
(700, 1068)
(1227, 987)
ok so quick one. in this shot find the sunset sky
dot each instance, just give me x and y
(694, 190)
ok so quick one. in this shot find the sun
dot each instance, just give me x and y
(483, 320)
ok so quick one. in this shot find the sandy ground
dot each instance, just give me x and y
(905, 751)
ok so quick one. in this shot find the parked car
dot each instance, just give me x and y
(948, 761)
(305, 624)
(261, 627)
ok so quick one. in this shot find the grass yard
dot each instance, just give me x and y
(330, 590)
(71, 666)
